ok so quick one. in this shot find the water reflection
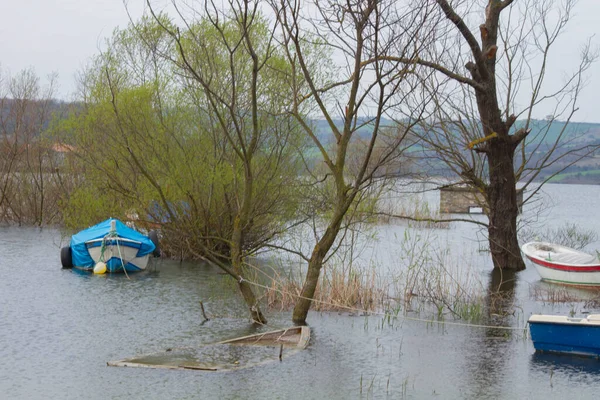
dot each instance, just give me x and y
(491, 353)
(500, 301)
(557, 368)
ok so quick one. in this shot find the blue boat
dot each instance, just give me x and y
(562, 334)
(110, 246)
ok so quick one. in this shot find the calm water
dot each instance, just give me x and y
(59, 328)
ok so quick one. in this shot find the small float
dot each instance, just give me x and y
(110, 246)
(562, 334)
(556, 263)
(227, 355)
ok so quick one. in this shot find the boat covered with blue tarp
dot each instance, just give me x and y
(112, 244)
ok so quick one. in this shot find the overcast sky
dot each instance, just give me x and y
(61, 35)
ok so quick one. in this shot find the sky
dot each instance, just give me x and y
(60, 36)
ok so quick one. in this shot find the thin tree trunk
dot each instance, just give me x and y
(237, 240)
(244, 287)
(250, 299)
(308, 290)
(313, 273)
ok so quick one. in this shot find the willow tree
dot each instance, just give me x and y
(492, 61)
(227, 56)
(156, 144)
(354, 98)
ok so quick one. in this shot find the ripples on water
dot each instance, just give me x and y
(58, 329)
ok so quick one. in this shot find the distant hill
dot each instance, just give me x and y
(544, 134)
(541, 129)
(27, 116)
(578, 133)
(325, 135)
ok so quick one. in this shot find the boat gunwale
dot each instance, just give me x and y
(564, 320)
(302, 342)
(113, 239)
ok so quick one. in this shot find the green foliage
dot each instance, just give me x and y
(153, 148)
(87, 207)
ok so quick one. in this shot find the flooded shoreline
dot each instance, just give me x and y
(59, 329)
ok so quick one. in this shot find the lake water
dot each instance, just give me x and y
(58, 329)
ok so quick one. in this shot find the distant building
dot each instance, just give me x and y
(466, 200)
(60, 150)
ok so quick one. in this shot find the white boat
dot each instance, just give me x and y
(556, 263)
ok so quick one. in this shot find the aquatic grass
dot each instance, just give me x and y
(283, 292)
(338, 290)
(557, 294)
(415, 212)
(569, 235)
(429, 281)
(436, 283)
(594, 302)
(464, 299)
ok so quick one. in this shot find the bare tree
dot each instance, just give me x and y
(489, 81)
(28, 192)
(356, 95)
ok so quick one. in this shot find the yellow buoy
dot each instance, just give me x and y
(100, 268)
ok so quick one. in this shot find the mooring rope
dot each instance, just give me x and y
(120, 256)
(102, 249)
(115, 236)
(384, 314)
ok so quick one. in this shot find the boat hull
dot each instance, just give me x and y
(247, 351)
(559, 334)
(576, 278)
(561, 264)
(118, 255)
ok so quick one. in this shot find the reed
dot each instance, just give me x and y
(416, 213)
(569, 235)
(437, 284)
(427, 282)
(339, 290)
(562, 294)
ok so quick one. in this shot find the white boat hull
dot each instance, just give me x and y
(118, 253)
(556, 263)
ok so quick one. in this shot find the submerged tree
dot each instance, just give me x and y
(353, 101)
(228, 56)
(489, 80)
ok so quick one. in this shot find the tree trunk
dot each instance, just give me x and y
(503, 209)
(244, 287)
(315, 264)
(308, 290)
(250, 299)
(237, 242)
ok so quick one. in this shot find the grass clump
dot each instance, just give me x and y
(569, 235)
(340, 289)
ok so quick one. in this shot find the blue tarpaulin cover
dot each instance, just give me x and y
(80, 254)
